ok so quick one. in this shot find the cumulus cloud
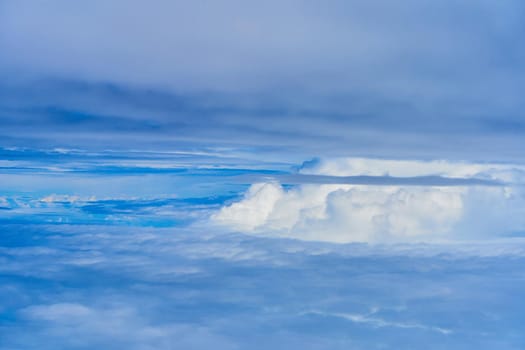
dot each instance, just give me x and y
(362, 213)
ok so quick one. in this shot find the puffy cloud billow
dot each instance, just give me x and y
(383, 213)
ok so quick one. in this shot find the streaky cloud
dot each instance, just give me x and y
(431, 180)
(369, 319)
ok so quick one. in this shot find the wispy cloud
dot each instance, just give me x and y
(373, 321)
(440, 181)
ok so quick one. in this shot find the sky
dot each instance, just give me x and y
(277, 174)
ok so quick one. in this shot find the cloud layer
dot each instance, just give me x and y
(370, 78)
(87, 286)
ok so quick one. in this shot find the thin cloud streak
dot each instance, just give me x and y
(379, 322)
(438, 181)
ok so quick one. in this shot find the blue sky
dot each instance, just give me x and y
(282, 174)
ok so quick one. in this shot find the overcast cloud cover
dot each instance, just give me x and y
(391, 79)
(275, 174)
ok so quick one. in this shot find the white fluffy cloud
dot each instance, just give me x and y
(407, 168)
(361, 213)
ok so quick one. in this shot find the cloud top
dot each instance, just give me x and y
(369, 213)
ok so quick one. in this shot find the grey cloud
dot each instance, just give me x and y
(232, 44)
(101, 116)
(405, 79)
(375, 180)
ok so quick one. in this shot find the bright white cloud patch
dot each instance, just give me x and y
(407, 168)
(361, 213)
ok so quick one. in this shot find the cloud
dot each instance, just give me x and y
(431, 180)
(412, 168)
(369, 319)
(4, 203)
(292, 77)
(289, 44)
(86, 286)
(75, 325)
(368, 213)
